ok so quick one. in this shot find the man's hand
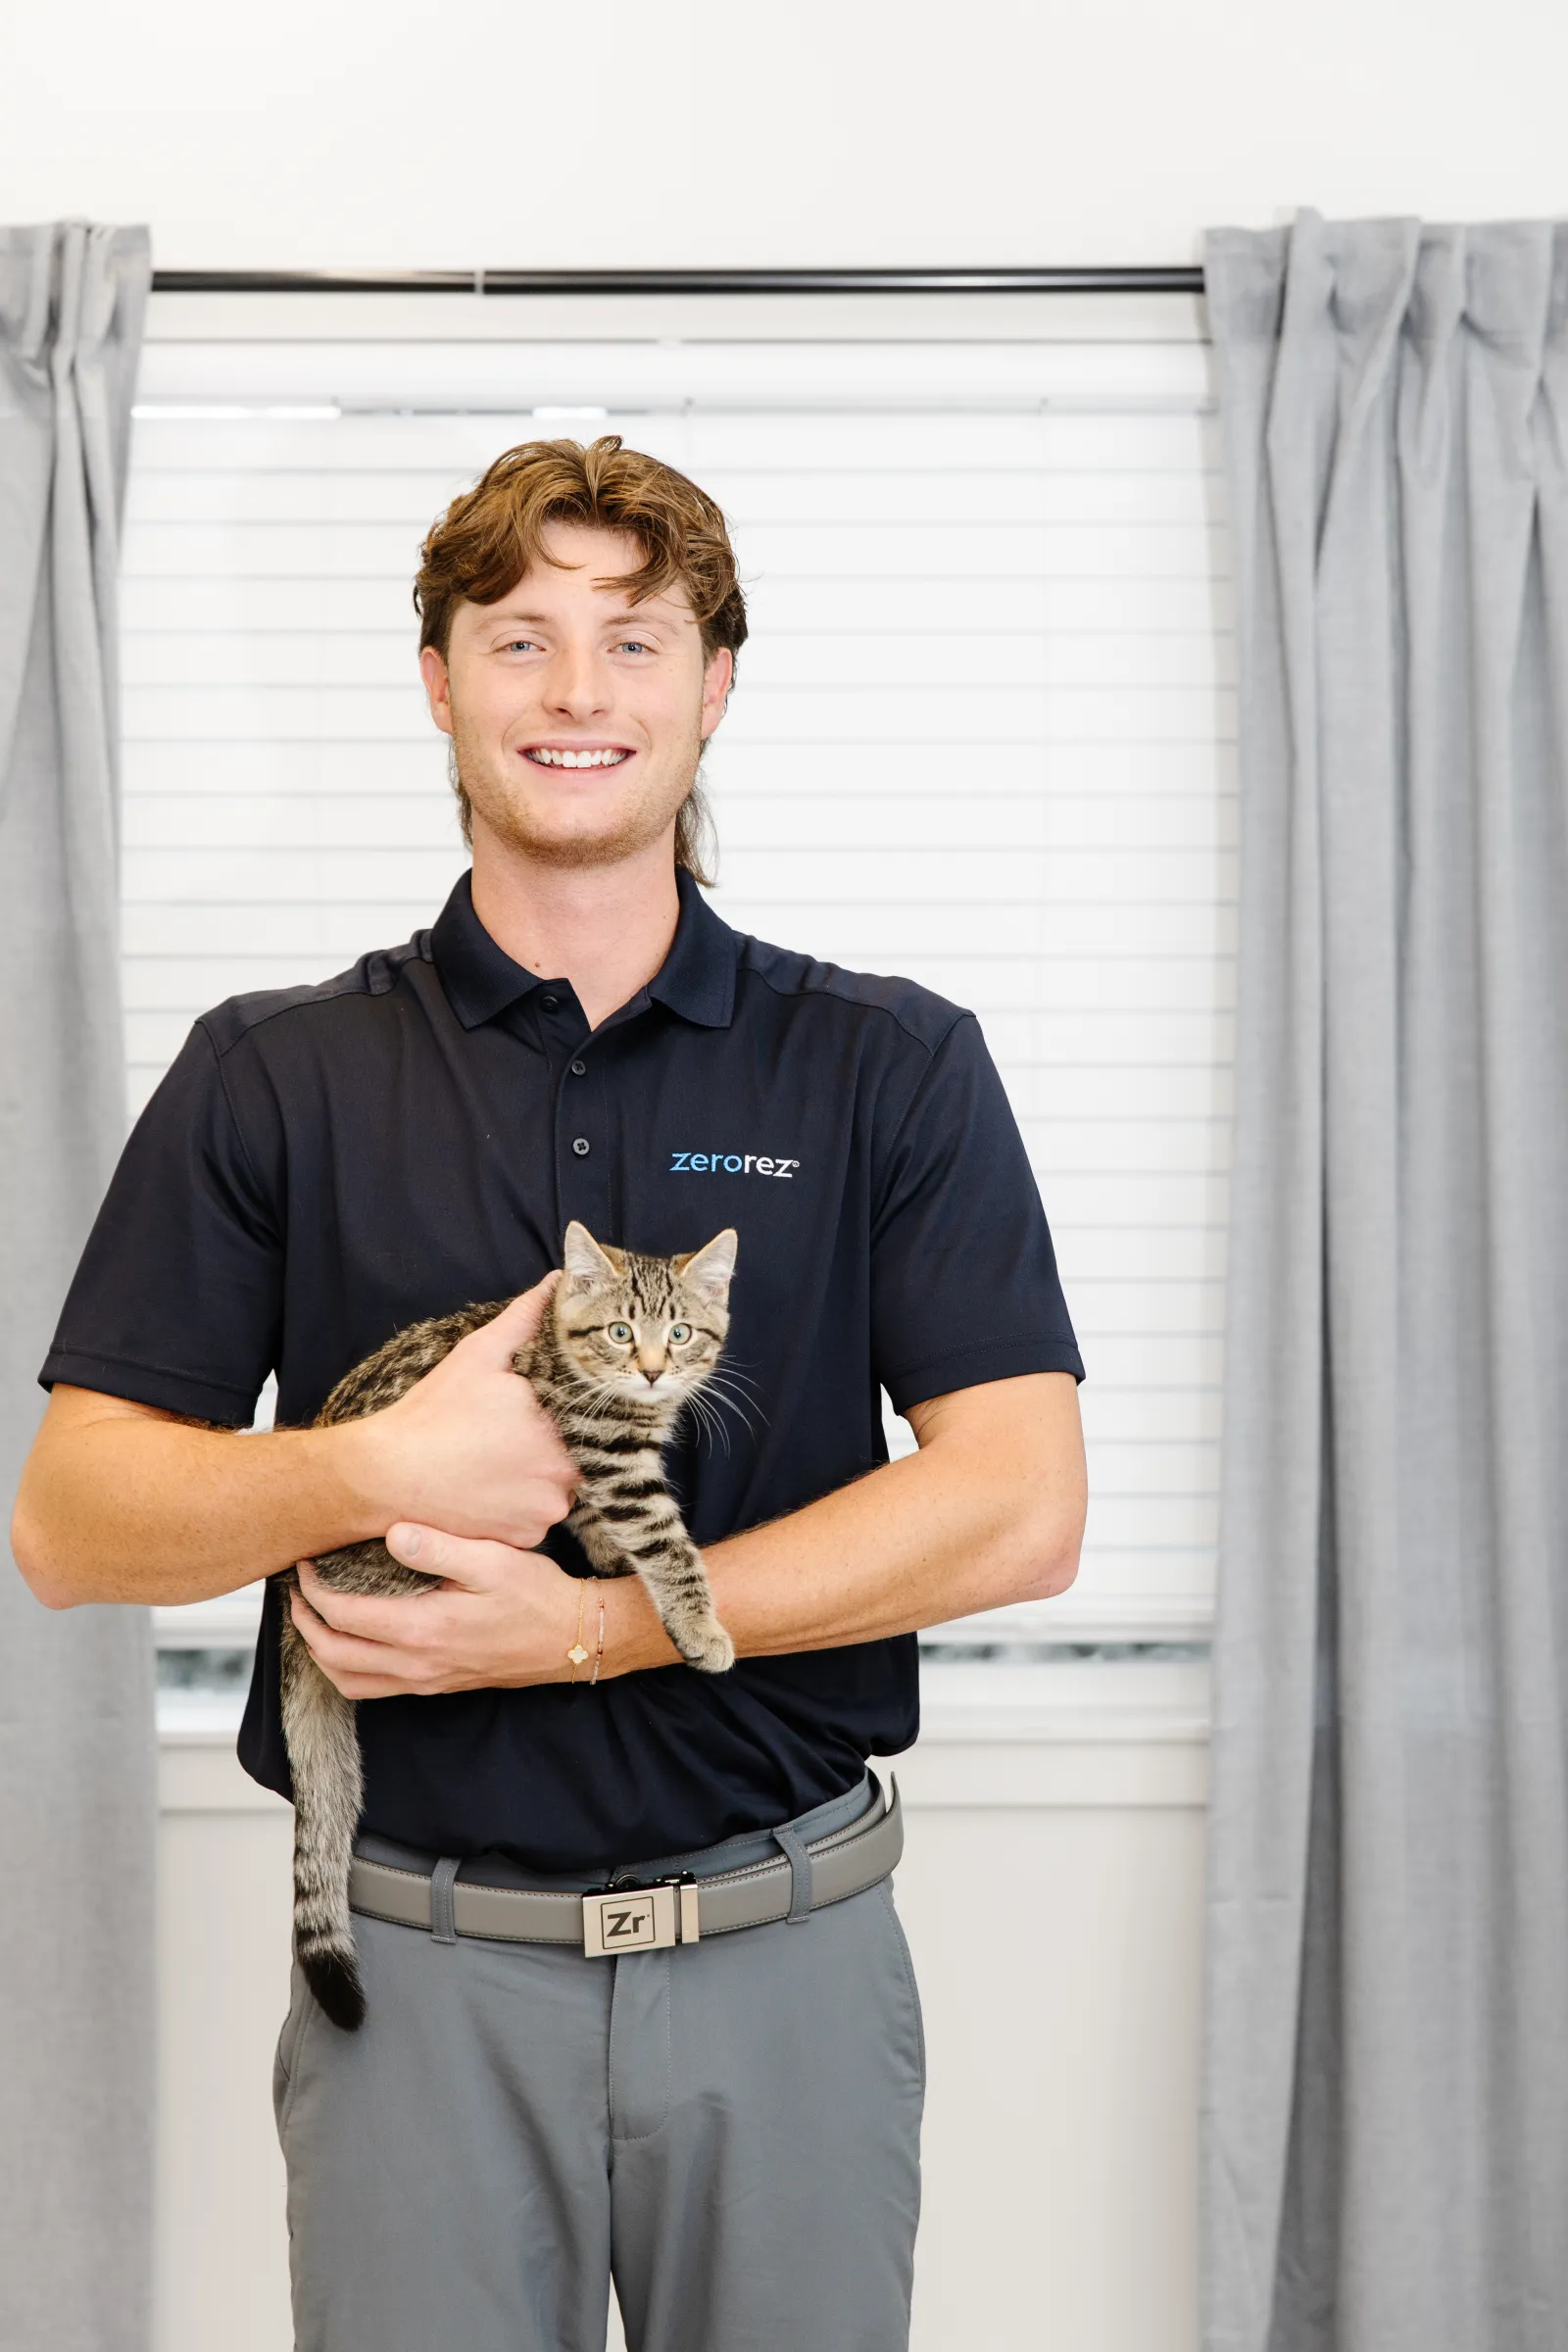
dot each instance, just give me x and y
(468, 1449)
(501, 1618)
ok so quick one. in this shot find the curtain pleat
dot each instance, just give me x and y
(77, 1754)
(1386, 2102)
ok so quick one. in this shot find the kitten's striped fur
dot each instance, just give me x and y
(599, 1391)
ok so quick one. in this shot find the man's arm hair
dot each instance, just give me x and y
(122, 1502)
(990, 1510)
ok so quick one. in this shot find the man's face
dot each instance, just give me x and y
(578, 717)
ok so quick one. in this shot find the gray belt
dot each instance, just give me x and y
(633, 1915)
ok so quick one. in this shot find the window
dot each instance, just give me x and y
(983, 734)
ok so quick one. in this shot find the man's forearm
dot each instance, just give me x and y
(147, 1509)
(980, 1517)
(119, 1502)
(990, 1510)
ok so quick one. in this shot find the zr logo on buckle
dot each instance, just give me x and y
(637, 1919)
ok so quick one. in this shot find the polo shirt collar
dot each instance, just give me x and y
(696, 980)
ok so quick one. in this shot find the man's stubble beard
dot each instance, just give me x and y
(508, 818)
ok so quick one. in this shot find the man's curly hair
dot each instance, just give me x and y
(490, 536)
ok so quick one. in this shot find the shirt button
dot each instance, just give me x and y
(579, 1143)
(579, 1068)
(550, 1004)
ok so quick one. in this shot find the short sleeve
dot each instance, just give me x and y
(963, 1275)
(175, 1302)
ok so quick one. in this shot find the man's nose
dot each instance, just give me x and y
(576, 683)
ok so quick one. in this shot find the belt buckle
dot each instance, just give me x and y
(640, 1917)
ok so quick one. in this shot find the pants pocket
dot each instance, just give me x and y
(290, 2046)
(906, 1965)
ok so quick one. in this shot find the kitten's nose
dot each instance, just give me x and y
(653, 1377)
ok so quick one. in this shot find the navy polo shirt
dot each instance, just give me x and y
(325, 1166)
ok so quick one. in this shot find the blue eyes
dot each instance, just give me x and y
(531, 645)
(679, 1333)
(620, 1333)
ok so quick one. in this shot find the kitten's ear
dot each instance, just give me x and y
(710, 1268)
(583, 1258)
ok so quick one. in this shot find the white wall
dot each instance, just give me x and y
(1051, 1892)
(702, 132)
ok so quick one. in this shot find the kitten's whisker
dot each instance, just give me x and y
(720, 1384)
(716, 1422)
(707, 1421)
(720, 1403)
(602, 1406)
(719, 1387)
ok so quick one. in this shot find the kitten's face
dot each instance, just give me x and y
(648, 1327)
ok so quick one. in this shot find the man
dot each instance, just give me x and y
(729, 2124)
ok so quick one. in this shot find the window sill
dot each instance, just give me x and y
(1076, 1733)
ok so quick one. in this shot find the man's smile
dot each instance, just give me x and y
(551, 755)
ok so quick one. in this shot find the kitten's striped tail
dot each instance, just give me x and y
(328, 1794)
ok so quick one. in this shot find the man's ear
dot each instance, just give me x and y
(718, 677)
(437, 686)
(710, 1268)
(584, 1261)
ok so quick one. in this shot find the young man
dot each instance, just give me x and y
(730, 2123)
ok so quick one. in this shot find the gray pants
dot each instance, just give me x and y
(730, 2128)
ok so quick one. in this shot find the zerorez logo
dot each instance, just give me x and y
(729, 1163)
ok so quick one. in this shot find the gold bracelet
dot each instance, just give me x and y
(577, 1655)
(599, 1654)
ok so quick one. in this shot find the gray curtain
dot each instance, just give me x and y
(1385, 2106)
(77, 1748)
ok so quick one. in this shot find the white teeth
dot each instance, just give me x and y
(611, 758)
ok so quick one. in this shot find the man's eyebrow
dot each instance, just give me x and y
(639, 616)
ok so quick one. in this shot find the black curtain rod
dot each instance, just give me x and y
(1120, 280)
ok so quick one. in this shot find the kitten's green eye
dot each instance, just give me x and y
(679, 1333)
(620, 1333)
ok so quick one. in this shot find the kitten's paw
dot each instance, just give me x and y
(708, 1649)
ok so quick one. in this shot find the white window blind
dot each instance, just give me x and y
(982, 735)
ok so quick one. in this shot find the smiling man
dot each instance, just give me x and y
(723, 2112)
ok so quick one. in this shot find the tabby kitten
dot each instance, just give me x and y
(625, 1340)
